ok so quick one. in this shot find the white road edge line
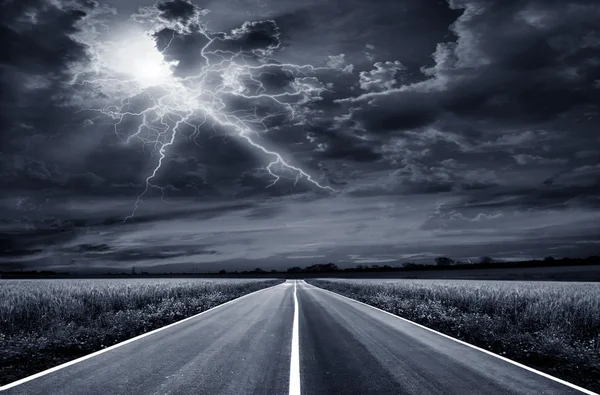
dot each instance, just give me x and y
(546, 375)
(295, 354)
(73, 362)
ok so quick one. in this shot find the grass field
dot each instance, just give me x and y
(551, 326)
(44, 323)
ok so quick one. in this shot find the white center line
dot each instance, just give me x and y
(295, 357)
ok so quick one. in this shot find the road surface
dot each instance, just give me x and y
(293, 339)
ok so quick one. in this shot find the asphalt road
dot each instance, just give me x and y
(246, 347)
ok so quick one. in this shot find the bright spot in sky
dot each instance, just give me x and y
(138, 58)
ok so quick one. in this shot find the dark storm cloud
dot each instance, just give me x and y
(161, 252)
(38, 59)
(36, 36)
(182, 15)
(260, 37)
(513, 62)
(258, 182)
(176, 10)
(505, 106)
(539, 198)
(202, 212)
(262, 212)
(32, 240)
(465, 127)
(273, 79)
(33, 236)
(347, 147)
(37, 53)
(339, 144)
(390, 113)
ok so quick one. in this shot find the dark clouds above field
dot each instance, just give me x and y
(463, 128)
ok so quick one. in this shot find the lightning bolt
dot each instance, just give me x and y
(163, 112)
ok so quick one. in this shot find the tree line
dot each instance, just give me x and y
(441, 263)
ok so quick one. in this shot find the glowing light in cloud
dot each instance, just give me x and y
(142, 88)
(138, 58)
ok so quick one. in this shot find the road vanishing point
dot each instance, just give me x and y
(293, 338)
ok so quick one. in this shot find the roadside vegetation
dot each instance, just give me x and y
(551, 326)
(44, 323)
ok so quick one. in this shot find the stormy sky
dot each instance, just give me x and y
(274, 133)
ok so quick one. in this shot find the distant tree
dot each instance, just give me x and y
(329, 267)
(222, 271)
(443, 261)
(486, 260)
(273, 271)
(258, 270)
(321, 267)
(295, 269)
(549, 259)
(311, 268)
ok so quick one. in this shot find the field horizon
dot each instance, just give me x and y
(548, 269)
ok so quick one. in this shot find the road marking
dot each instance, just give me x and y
(73, 362)
(546, 375)
(295, 356)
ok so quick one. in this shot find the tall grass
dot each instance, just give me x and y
(47, 322)
(552, 326)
